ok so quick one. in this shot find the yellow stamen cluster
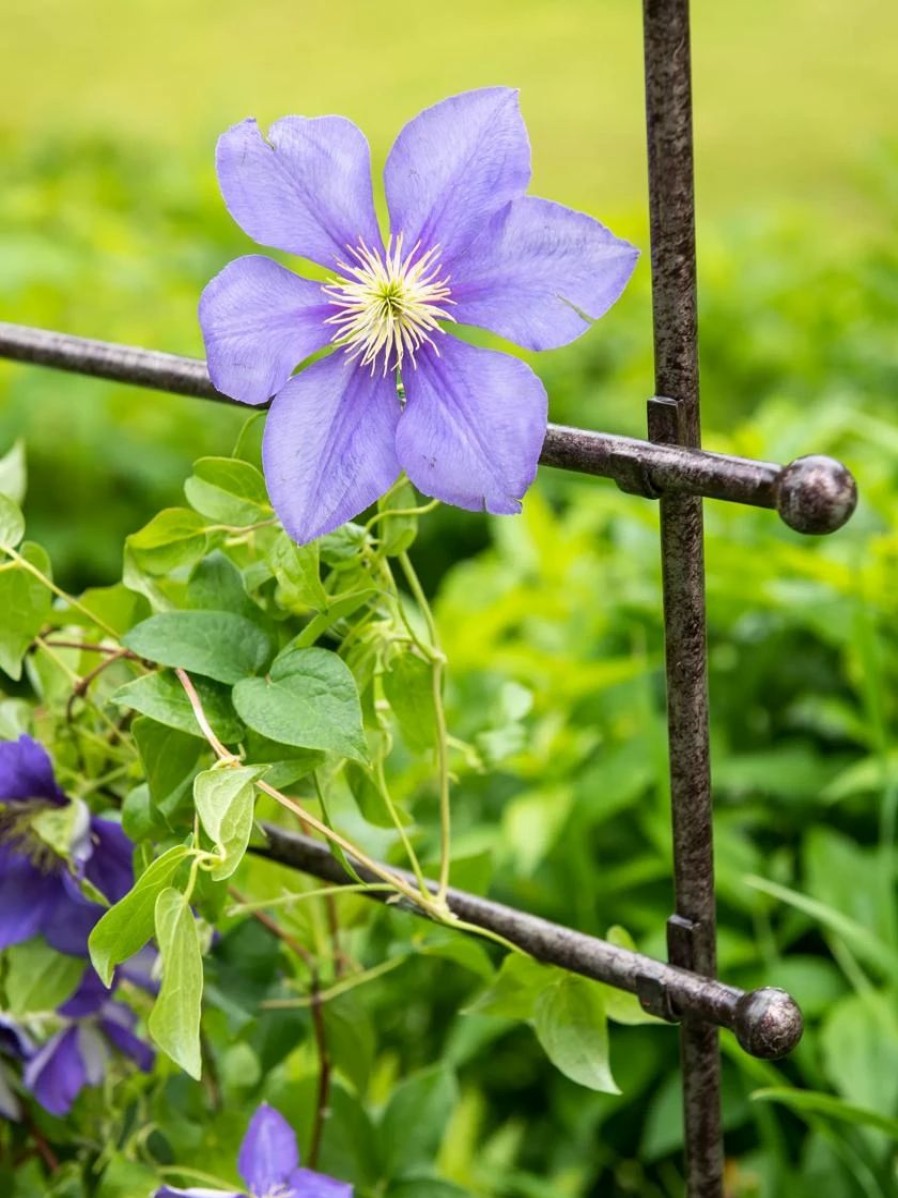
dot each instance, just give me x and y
(389, 304)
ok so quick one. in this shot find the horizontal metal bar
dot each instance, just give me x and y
(813, 494)
(767, 1022)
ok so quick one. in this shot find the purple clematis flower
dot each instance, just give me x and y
(399, 392)
(269, 1165)
(79, 1054)
(15, 1043)
(39, 891)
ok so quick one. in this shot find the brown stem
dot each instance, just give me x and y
(324, 1076)
(42, 1147)
(80, 689)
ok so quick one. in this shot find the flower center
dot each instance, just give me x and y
(17, 830)
(388, 304)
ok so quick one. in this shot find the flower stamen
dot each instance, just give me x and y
(388, 304)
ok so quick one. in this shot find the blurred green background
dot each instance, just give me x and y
(110, 224)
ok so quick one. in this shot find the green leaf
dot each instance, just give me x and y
(125, 1179)
(309, 700)
(408, 686)
(370, 801)
(571, 1026)
(175, 537)
(228, 491)
(174, 1021)
(397, 533)
(225, 800)
(516, 990)
(217, 585)
(25, 604)
(426, 1187)
(350, 1038)
(813, 1103)
(12, 523)
(115, 605)
(13, 473)
(169, 758)
(61, 827)
(216, 644)
(125, 928)
(620, 1006)
(298, 573)
(38, 978)
(414, 1122)
(162, 697)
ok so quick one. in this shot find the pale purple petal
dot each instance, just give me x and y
(94, 1052)
(540, 273)
(117, 1024)
(28, 898)
(473, 427)
(110, 866)
(140, 970)
(193, 1192)
(26, 772)
(259, 322)
(171, 1192)
(306, 1184)
(328, 449)
(306, 189)
(268, 1154)
(57, 1074)
(453, 166)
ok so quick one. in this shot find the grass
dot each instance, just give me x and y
(792, 98)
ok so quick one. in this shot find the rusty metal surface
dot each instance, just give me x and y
(767, 1020)
(674, 419)
(818, 500)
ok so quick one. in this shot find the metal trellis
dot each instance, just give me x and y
(812, 495)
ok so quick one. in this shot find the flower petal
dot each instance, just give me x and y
(117, 1024)
(454, 165)
(473, 427)
(259, 321)
(306, 189)
(540, 273)
(26, 772)
(57, 1074)
(304, 1183)
(328, 449)
(14, 1040)
(28, 898)
(268, 1154)
(88, 998)
(171, 1192)
(72, 920)
(110, 865)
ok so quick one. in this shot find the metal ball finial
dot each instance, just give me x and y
(768, 1023)
(816, 494)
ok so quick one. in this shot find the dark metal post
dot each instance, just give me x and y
(674, 419)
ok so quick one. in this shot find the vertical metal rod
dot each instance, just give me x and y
(674, 419)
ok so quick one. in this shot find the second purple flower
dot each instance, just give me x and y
(399, 392)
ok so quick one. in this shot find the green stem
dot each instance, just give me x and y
(438, 663)
(398, 824)
(24, 564)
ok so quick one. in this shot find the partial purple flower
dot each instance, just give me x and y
(399, 391)
(15, 1044)
(79, 1055)
(39, 890)
(269, 1165)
